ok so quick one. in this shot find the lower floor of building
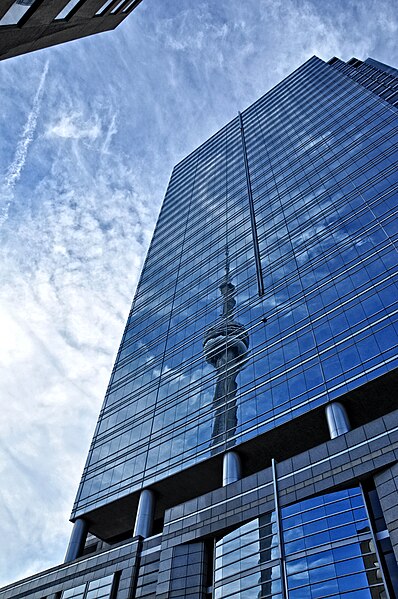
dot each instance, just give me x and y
(321, 524)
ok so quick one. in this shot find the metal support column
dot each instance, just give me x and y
(337, 419)
(231, 468)
(77, 540)
(144, 519)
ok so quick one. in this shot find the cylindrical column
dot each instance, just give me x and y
(77, 540)
(231, 468)
(337, 419)
(144, 518)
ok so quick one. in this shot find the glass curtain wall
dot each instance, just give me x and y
(328, 551)
(321, 156)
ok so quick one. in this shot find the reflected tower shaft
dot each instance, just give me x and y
(225, 347)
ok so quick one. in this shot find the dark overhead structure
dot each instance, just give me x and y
(28, 25)
(247, 446)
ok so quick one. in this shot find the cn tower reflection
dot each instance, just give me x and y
(225, 347)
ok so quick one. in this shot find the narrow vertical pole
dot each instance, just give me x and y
(285, 591)
(256, 247)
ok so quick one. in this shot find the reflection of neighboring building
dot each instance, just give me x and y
(246, 560)
(27, 25)
(285, 487)
(373, 571)
(324, 555)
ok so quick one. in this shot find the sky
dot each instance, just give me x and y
(90, 131)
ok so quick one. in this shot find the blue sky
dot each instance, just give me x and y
(90, 132)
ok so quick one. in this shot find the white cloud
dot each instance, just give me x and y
(15, 168)
(73, 126)
(70, 265)
(111, 131)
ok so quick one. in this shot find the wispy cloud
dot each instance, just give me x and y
(15, 168)
(73, 126)
(112, 130)
(63, 301)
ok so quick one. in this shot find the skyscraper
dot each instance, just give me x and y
(27, 25)
(248, 441)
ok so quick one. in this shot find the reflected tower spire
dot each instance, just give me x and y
(225, 347)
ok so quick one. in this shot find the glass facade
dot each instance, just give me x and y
(247, 561)
(16, 12)
(65, 12)
(327, 547)
(96, 589)
(298, 192)
(330, 551)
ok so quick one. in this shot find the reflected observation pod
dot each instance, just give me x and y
(229, 468)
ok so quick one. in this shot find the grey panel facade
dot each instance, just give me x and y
(387, 489)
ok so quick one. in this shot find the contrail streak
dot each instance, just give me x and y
(14, 170)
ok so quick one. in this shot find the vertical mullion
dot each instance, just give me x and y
(259, 272)
(282, 561)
